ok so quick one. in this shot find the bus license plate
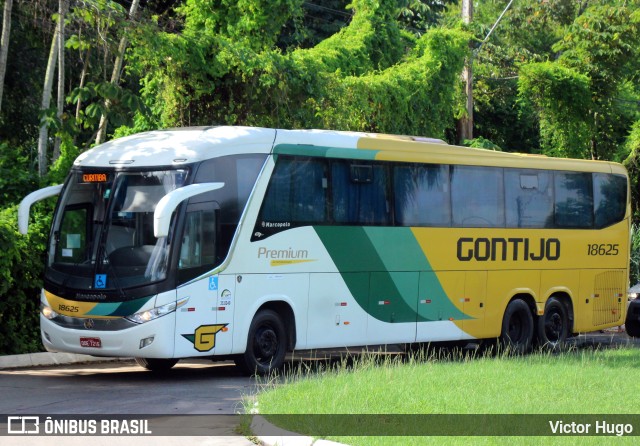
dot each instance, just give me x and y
(91, 342)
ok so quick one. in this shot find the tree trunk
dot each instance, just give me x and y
(83, 77)
(465, 124)
(4, 46)
(46, 102)
(115, 74)
(62, 11)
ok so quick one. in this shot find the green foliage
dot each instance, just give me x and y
(599, 54)
(60, 168)
(368, 76)
(21, 269)
(482, 143)
(16, 175)
(632, 163)
(123, 103)
(255, 23)
(412, 97)
(563, 99)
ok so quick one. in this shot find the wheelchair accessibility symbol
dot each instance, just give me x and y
(101, 281)
(213, 283)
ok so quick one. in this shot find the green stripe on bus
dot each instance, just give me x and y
(118, 308)
(324, 152)
(130, 307)
(398, 273)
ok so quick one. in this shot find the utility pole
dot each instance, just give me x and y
(465, 124)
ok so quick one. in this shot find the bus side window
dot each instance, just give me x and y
(610, 198)
(528, 198)
(574, 200)
(297, 192)
(422, 195)
(359, 193)
(477, 196)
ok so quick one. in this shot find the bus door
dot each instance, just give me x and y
(202, 321)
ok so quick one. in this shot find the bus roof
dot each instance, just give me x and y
(193, 144)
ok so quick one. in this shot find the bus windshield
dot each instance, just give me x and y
(102, 235)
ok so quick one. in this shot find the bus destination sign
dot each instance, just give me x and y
(94, 178)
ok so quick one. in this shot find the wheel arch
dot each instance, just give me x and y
(528, 298)
(284, 310)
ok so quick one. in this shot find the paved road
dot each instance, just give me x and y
(192, 387)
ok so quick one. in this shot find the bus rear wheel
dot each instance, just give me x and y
(517, 328)
(632, 327)
(553, 325)
(266, 344)
(156, 364)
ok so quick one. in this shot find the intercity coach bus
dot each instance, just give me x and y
(247, 243)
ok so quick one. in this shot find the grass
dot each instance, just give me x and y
(571, 382)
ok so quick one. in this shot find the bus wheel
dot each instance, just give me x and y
(517, 328)
(632, 327)
(553, 326)
(156, 364)
(266, 344)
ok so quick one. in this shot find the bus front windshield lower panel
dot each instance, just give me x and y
(102, 235)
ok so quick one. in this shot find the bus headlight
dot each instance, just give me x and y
(47, 311)
(156, 312)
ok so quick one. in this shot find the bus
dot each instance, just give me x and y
(248, 243)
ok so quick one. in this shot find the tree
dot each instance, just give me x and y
(116, 73)
(4, 45)
(63, 6)
(46, 103)
(598, 55)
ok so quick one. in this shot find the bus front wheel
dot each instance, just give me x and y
(517, 327)
(553, 325)
(266, 344)
(156, 364)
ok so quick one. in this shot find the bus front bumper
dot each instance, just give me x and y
(153, 339)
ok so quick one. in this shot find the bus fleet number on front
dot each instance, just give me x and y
(602, 249)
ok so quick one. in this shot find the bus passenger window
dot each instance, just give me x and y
(528, 198)
(422, 195)
(477, 196)
(574, 200)
(359, 194)
(296, 192)
(610, 198)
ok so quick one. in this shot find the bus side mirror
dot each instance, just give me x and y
(169, 203)
(33, 197)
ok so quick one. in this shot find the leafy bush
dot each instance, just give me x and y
(21, 269)
(16, 176)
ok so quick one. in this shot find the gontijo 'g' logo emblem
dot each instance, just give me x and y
(204, 338)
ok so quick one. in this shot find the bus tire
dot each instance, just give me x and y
(156, 364)
(632, 327)
(517, 328)
(553, 325)
(266, 344)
